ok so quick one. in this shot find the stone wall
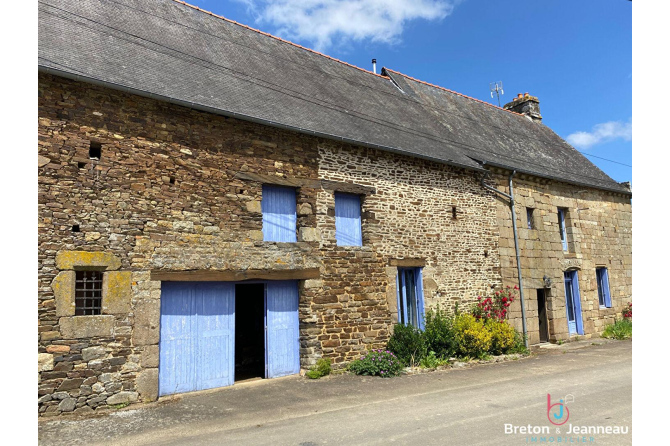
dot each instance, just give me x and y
(599, 230)
(421, 214)
(175, 195)
(165, 196)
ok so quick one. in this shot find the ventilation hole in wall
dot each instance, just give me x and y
(75, 228)
(453, 212)
(172, 180)
(486, 253)
(95, 150)
(81, 165)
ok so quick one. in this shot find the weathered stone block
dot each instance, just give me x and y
(255, 235)
(313, 283)
(254, 206)
(304, 209)
(63, 289)
(78, 327)
(67, 260)
(49, 335)
(147, 320)
(45, 362)
(70, 384)
(93, 353)
(92, 236)
(309, 234)
(58, 349)
(67, 405)
(182, 226)
(122, 397)
(105, 377)
(84, 410)
(150, 356)
(113, 387)
(147, 385)
(116, 292)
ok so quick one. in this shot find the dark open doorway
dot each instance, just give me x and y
(249, 331)
(542, 315)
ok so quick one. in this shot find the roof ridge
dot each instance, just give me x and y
(277, 38)
(452, 91)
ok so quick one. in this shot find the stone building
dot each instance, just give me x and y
(217, 204)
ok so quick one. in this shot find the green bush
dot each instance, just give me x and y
(439, 333)
(377, 363)
(621, 329)
(503, 336)
(519, 344)
(408, 344)
(471, 335)
(321, 368)
(432, 361)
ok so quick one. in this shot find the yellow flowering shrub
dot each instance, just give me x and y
(502, 336)
(472, 337)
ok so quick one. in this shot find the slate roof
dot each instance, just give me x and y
(175, 52)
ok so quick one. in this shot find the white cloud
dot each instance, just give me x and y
(606, 131)
(323, 23)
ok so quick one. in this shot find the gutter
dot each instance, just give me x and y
(510, 197)
(231, 114)
(555, 178)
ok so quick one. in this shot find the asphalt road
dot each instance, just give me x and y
(470, 405)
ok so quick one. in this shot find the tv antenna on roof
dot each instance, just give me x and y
(497, 88)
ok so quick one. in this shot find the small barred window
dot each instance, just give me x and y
(88, 292)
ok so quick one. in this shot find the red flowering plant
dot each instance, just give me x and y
(495, 307)
(627, 312)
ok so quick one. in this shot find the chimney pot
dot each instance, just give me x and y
(525, 104)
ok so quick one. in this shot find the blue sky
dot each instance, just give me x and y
(574, 55)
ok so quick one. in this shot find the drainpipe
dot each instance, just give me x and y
(510, 197)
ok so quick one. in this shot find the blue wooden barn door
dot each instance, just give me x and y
(196, 349)
(216, 335)
(282, 334)
(176, 373)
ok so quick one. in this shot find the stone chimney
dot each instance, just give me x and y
(526, 105)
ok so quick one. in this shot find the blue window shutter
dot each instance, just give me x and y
(279, 214)
(578, 303)
(400, 294)
(348, 220)
(564, 234)
(606, 288)
(419, 297)
(604, 297)
(569, 302)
